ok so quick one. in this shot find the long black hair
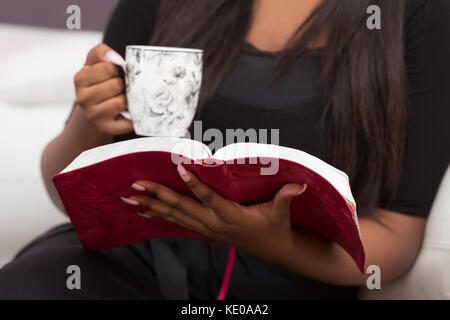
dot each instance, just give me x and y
(363, 76)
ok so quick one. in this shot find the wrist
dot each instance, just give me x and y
(274, 249)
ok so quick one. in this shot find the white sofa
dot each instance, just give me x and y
(36, 94)
(429, 278)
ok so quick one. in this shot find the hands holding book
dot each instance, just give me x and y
(263, 229)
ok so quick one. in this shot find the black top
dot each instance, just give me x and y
(294, 105)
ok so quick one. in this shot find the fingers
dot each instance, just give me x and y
(97, 54)
(88, 96)
(106, 115)
(186, 205)
(284, 196)
(221, 206)
(97, 73)
(160, 209)
(99, 91)
(116, 58)
(109, 108)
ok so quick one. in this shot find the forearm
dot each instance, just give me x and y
(391, 248)
(78, 135)
(316, 257)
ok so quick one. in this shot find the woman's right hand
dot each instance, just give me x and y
(99, 91)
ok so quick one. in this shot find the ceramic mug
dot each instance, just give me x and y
(162, 88)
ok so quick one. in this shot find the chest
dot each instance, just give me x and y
(275, 22)
(287, 112)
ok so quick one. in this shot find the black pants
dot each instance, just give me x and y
(156, 269)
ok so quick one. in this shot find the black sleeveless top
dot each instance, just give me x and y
(294, 106)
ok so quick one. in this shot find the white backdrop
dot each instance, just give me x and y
(36, 94)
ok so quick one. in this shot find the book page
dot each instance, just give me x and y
(336, 177)
(189, 148)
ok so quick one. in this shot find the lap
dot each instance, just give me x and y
(157, 269)
(256, 279)
(39, 271)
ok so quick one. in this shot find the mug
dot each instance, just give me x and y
(162, 87)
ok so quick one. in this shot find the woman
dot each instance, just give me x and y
(370, 102)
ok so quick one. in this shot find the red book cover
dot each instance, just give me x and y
(91, 196)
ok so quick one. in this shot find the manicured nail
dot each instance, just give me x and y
(137, 187)
(182, 172)
(143, 215)
(115, 58)
(302, 190)
(129, 201)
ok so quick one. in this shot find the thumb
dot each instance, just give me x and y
(284, 196)
(115, 58)
(102, 52)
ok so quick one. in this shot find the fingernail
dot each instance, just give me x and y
(115, 58)
(129, 201)
(144, 215)
(137, 187)
(182, 172)
(302, 190)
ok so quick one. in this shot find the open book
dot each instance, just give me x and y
(91, 186)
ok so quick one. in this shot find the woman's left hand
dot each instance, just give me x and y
(263, 229)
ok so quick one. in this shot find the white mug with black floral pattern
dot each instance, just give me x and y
(163, 87)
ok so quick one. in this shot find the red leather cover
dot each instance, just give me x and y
(91, 196)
